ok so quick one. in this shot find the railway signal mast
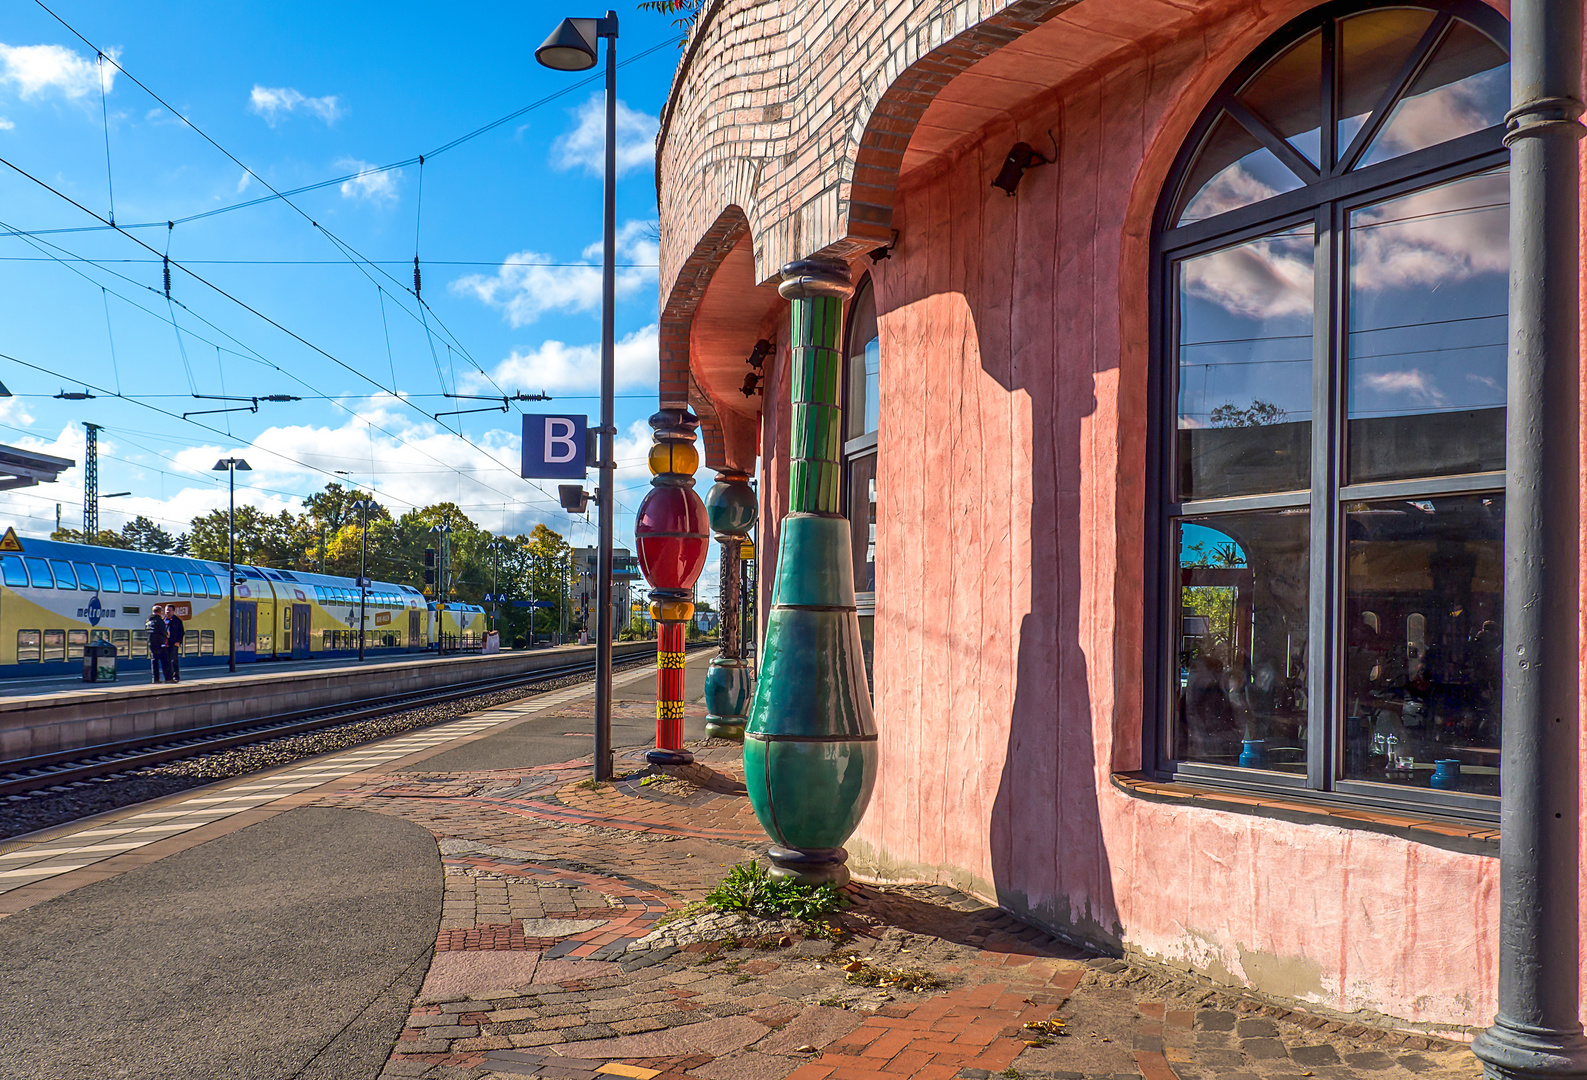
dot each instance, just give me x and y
(229, 466)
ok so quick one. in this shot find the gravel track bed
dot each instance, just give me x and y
(42, 809)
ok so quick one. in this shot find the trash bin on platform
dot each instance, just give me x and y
(99, 662)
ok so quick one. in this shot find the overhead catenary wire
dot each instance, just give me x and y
(290, 333)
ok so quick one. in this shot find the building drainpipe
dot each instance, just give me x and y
(1538, 1032)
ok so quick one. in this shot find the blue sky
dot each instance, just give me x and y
(300, 94)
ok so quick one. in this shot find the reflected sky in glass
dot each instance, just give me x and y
(1429, 281)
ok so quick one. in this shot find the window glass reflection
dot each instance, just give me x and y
(862, 521)
(1240, 640)
(1232, 169)
(863, 407)
(1287, 93)
(1423, 619)
(1428, 329)
(1465, 87)
(1373, 48)
(1245, 354)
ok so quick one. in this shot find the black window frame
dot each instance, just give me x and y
(1324, 204)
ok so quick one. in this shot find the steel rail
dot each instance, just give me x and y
(107, 759)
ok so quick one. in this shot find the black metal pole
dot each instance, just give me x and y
(231, 578)
(363, 578)
(608, 501)
(1537, 1032)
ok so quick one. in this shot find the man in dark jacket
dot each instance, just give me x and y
(174, 632)
(158, 661)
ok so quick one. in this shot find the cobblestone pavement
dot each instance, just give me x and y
(572, 947)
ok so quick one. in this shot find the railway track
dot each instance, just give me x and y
(58, 771)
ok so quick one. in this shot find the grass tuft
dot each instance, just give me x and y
(750, 888)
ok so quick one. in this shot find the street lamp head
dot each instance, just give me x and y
(571, 46)
(231, 463)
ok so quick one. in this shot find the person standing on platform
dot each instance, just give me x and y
(174, 632)
(159, 663)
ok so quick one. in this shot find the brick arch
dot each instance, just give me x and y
(882, 125)
(678, 387)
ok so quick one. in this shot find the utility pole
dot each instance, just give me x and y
(1537, 1031)
(91, 484)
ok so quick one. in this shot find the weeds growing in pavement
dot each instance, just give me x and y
(860, 973)
(750, 888)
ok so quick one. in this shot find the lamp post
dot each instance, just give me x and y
(573, 46)
(443, 588)
(229, 466)
(495, 590)
(363, 506)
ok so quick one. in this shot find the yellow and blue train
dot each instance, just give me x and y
(57, 597)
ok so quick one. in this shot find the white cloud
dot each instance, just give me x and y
(559, 368)
(6, 125)
(1265, 279)
(523, 291)
(585, 145)
(271, 102)
(34, 69)
(243, 181)
(372, 184)
(1414, 382)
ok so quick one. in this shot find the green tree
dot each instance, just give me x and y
(262, 539)
(107, 538)
(142, 534)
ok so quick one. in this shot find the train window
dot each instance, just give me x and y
(129, 580)
(166, 585)
(182, 587)
(189, 644)
(27, 646)
(54, 646)
(206, 642)
(75, 640)
(64, 578)
(122, 641)
(140, 644)
(39, 571)
(15, 575)
(107, 579)
(86, 577)
(146, 579)
(213, 584)
(319, 593)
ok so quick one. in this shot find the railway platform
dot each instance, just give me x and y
(462, 902)
(136, 672)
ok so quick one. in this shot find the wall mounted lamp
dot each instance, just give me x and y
(1021, 156)
(878, 254)
(751, 385)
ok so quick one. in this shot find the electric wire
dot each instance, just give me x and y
(290, 333)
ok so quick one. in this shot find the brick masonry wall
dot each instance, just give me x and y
(790, 118)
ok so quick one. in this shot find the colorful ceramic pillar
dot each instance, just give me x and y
(673, 538)
(810, 746)
(728, 684)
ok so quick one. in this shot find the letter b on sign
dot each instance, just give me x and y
(553, 447)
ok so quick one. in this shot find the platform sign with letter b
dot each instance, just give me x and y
(553, 447)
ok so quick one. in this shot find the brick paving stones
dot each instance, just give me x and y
(550, 962)
(571, 946)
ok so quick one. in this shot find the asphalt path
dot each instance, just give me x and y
(548, 740)
(291, 948)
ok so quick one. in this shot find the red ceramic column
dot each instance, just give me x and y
(673, 537)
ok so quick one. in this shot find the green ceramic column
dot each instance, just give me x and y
(730, 505)
(810, 747)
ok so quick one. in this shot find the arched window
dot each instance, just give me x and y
(1332, 274)
(861, 411)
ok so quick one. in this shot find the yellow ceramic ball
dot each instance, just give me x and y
(674, 456)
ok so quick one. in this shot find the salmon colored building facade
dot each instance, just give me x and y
(1171, 460)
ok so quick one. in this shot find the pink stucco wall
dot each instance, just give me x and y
(1014, 352)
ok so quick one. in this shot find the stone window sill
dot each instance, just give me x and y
(1448, 833)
